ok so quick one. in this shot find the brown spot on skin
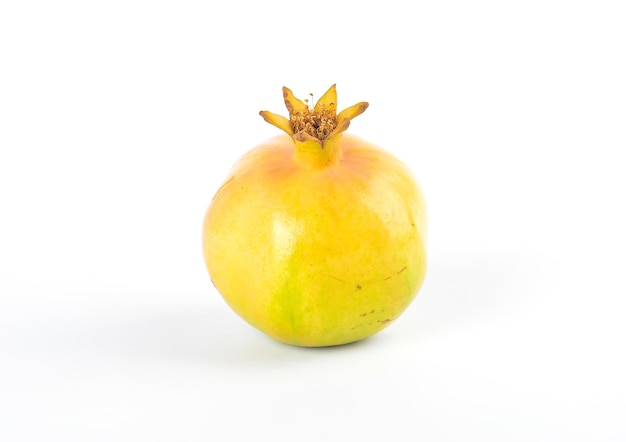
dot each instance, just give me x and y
(372, 311)
(363, 314)
(384, 321)
(358, 287)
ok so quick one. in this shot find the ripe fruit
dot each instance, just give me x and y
(317, 237)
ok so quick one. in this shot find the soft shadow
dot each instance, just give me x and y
(463, 288)
(205, 336)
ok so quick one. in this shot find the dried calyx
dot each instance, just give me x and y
(317, 127)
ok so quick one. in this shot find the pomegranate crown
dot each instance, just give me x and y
(319, 124)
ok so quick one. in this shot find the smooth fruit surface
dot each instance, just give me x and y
(317, 256)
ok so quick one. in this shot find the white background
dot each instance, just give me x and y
(120, 119)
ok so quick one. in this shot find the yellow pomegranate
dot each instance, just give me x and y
(317, 237)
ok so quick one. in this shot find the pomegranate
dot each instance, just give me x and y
(317, 237)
